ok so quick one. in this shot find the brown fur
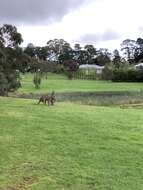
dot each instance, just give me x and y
(48, 98)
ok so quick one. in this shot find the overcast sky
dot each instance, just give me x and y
(104, 23)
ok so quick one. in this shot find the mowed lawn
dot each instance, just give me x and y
(60, 83)
(69, 147)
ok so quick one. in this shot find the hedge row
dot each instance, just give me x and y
(130, 75)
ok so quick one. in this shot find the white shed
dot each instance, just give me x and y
(92, 67)
(139, 66)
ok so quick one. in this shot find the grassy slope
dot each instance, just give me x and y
(60, 83)
(69, 146)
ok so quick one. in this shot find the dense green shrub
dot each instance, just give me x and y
(37, 79)
(107, 73)
(12, 59)
(125, 73)
(70, 67)
(129, 75)
(3, 84)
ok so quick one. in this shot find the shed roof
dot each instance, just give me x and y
(89, 66)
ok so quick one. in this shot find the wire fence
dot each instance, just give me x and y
(85, 75)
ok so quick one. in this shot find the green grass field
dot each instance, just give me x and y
(69, 146)
(60, 83)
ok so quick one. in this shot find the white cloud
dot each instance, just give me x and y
(121, 17)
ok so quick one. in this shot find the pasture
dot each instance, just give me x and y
(69, 146)
(60, 83)
(72, 145)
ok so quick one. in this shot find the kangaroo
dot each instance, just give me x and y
(48, 98)
(43, 99)
(52, 98)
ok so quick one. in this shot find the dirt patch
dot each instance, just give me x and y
(136, 106)
(26, 182)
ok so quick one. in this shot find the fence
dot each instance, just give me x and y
(85, 74)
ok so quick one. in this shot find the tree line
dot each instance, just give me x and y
(57, 55)
(60, 50)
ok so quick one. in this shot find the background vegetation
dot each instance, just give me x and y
(59, 57)
(71, 145)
